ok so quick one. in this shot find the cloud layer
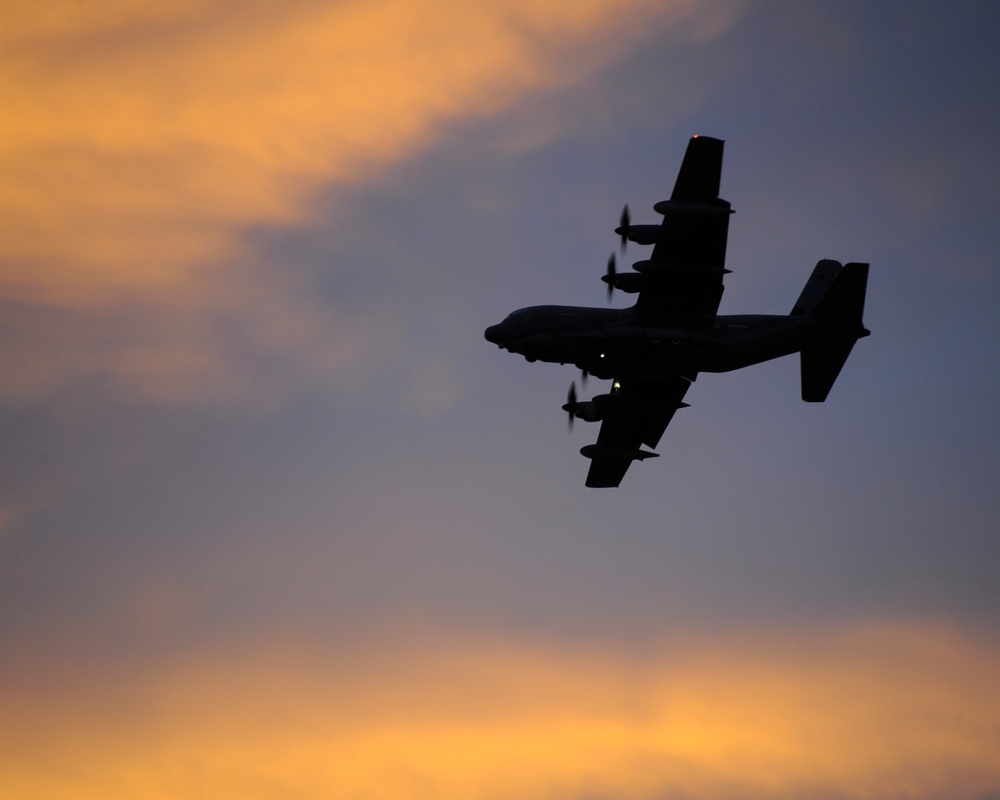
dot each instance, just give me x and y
(139, 143)
(871, 711)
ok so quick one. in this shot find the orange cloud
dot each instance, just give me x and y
(136, 140)
(139, 139)
(881, 711)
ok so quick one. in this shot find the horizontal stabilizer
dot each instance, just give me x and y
(821, 364)
(839, 309)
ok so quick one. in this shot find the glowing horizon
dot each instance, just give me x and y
(882, 710)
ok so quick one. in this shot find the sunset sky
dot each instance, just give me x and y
(277, 522)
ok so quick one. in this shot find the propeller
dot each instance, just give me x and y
(625, 226)
(570, 407)
(610, 278)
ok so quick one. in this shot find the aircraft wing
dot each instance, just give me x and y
(683, 276)
(637, 414)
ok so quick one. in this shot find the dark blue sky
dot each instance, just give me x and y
(258, 461)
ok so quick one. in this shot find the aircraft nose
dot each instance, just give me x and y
(492, 334)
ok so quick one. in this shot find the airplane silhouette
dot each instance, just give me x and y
(653, 350)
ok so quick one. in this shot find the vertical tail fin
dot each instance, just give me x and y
(838, 303)
(822, 278)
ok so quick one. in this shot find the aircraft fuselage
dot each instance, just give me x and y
(612, 343)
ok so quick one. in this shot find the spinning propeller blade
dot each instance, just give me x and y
(626, 222)
(570, 407)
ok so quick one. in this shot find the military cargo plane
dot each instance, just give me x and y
(653, 350)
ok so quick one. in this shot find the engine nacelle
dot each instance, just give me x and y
(716, 207)
(611, 405)
(650, 267)
(628, 282)
(640, 234)
(594, 450)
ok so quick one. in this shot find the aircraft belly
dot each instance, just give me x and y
(552, 349)
(754, 347)
(609, 357)
(653, 360)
